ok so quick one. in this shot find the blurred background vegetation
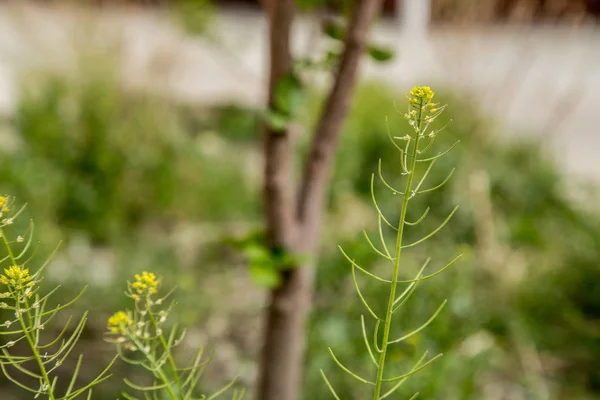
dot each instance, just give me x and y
(131, 180)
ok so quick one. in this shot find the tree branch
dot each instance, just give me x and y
(278, 193)
(281, 355)
(280, 371)
(267, 5)
(324, 144)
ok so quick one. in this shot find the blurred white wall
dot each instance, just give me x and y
(538, 80)
(414, 16)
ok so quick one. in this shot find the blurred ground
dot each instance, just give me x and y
(544, 79)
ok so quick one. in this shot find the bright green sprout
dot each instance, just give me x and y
(421, 113)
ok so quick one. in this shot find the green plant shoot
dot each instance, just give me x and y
(412, 148)
(30, 315)
(140, 339)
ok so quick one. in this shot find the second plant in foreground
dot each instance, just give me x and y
(141, 340)
(412, 148)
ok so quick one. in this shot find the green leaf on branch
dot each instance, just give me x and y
(289, 95)
(265, 264)
(379, 53)
(288, 99)
(331, 58)
(276, 120)
(309, 4)
(257, 254)
(334, 30)
(265, 276)
(194, 16)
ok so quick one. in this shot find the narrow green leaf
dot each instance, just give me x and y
(276, 120)
(361, 295)
(364, 331)
(223, 389)
(308, 4)
(265, 276)
(440, 154)
(440, 185)
(329, 386)
(379, 53)
(289, 95)
(419, 329)
(334, 30)
(435, 273)
(394, 191)
(363, 380)
(388, 223)
(397, 385)
(433, 232)
(364, 271)
(412, 371)
(417, 222)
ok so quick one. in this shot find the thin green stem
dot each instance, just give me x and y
(28, 337)
(388, 316)
(155, 366)
(167, 350)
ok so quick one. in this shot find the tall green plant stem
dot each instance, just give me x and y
(167, 349)
(393, 285)
(156, 367)
(30, 340)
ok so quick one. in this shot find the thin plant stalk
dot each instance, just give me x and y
(28, 337)
(167, 350)
(391, 302)
(421, 111)
(156, 367)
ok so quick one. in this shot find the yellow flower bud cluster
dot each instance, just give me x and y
(421, 108)
(4, 204)
(146, 283)
(420, 97)
(420, 94)
(118, 323)
(18, 278)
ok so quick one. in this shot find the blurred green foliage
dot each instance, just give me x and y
(105, 168)
(193, 16)
(94, 158)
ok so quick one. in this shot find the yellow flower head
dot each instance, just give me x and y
(2, 201)
(146, 283)
(17, 278)
(420, 96)
(118, 323)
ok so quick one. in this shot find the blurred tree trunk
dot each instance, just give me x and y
(294, 226)
(278, 368)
